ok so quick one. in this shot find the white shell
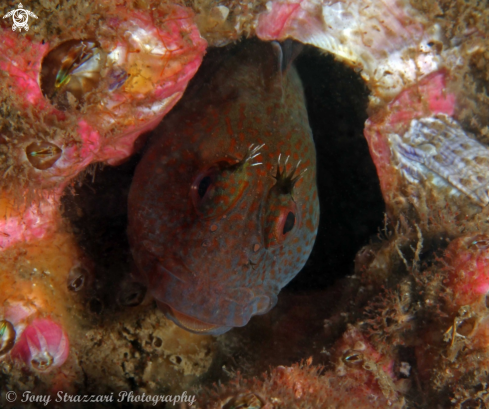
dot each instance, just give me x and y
(439, 145)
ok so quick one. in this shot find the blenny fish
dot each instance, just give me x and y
(223, 207)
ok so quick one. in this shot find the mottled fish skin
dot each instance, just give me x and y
(222, 212)
(438, 144)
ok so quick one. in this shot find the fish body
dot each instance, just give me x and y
(223, 208)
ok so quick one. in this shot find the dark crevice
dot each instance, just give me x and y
(352, 208)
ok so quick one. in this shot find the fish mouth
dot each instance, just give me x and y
(193, 304)
(190, 323)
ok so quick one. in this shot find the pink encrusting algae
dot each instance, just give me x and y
(27, 223)
(467, 270)
(76, 102)
(23, 68)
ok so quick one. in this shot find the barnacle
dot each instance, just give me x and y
(42, 361)
(7, 337)
(43, 155)
(72, 69)
(77, 278)
(43, 345)
(131, 293)
(353, 358)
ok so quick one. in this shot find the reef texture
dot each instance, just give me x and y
(48, 299)
(74, 96)
(411, 326)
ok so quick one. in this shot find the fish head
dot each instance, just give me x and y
(221, 213)
(218, 250)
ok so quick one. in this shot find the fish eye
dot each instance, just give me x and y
(204, 185)
(281, 214)
(289, 223)
(280, 219)
(218, 188)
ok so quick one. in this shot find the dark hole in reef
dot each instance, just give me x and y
(95, 306)
(157, 342)
(97, 211)
(350, 199)
(352, 208)
(131, 294)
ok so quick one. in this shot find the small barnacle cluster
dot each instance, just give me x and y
(151, 352)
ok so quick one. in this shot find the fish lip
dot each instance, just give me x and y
(191, 324)
(199, 309)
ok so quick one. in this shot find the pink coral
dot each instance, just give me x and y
(297, 19)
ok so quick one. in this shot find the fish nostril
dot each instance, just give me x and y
(248, 260)
(251, 264)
